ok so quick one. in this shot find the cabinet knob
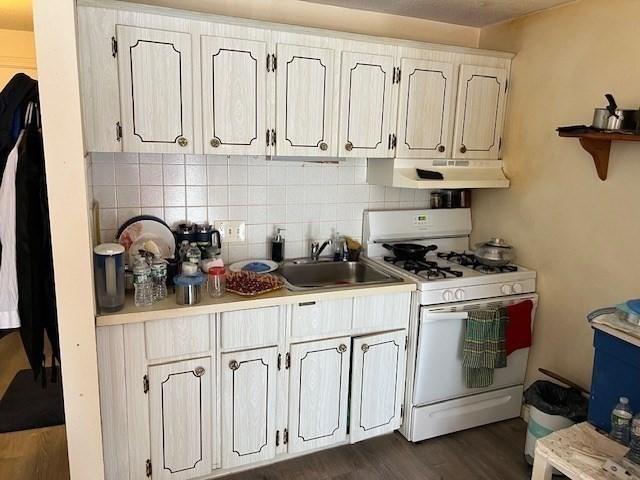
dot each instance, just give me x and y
(348, 146)
(365, 347)
(199, 371)
(183, 142)
(463, 149)
(233, 365)
(323, 146)
(441, 148)
(215, 143)
(342, 348)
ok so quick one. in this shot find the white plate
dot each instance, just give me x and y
(240, 266)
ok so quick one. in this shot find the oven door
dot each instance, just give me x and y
(439, 375)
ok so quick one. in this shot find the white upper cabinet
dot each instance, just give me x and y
(366, 90)
(424, 109)
(155, 90)
(304, 101)
(479, 112)
(234, 96)
(318, 393)
(248, 384)
(377, 384)
(180, 408)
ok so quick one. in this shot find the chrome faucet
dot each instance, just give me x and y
(316, 249)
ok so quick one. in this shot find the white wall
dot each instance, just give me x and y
(17, 54)
(310, 200)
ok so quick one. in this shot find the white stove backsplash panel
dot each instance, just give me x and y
(310, 200)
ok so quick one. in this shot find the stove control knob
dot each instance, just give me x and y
(517, 288)
(459, 294)
(506, 289)
(447, 295)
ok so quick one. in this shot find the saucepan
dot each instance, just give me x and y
(494, 253)
(616, 119)
(409, 251)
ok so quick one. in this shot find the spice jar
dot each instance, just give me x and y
(216, 285)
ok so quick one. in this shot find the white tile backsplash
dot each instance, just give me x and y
(311, 201)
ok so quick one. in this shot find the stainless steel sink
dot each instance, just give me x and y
(306, 275)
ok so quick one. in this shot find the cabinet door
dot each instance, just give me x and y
(248, 383)
(304, 101)
(365, 105)
(424, 109)
(480, 112)
(180, 418)
(319, 384)
(154, 67)
(233, 96)
(377, 384)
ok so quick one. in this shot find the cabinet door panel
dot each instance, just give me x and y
(377, 385)
(365, 105)
(181, 421)
(248, 383)
(155, 90)
(480, 112)
(304, 99)
(319, 384)
(233, 96)
(424, 109)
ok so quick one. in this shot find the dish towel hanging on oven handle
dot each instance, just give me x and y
(484, 347)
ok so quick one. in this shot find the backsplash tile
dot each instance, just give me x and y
(311, 201)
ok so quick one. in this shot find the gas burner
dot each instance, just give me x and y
(425, 268)
(469, 260)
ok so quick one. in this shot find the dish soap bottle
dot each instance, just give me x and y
(277, 246)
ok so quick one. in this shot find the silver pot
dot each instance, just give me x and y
(494, 253)
(614, 118)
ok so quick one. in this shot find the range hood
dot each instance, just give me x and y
(402, 172)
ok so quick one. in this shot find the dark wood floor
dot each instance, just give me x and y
(492, 452)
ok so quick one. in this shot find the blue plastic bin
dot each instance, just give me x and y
(616, 373)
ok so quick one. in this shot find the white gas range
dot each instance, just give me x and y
(450, 282)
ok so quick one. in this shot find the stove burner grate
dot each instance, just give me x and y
(469, 260)
(425, 268)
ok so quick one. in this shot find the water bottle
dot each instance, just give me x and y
(621, 421)
(142, 284)
(634, 445)
(159, 278)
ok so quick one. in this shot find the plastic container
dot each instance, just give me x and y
(142, 284)
(189, 288)
(552, 407)
(621, 417)
(194, 255)
(108, 260)
(216, 285)
(634, 444)
(159, 278)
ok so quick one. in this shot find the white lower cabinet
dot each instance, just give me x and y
(181, 422)
(318, 393)
(248, 396)
(377, 384)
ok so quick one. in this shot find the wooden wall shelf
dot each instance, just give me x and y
(598, 144)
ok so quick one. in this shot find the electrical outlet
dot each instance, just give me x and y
(231, 231)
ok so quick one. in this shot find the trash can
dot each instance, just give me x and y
(552, 407)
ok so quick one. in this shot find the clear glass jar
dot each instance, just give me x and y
(216, 285)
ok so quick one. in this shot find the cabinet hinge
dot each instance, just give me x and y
(500, 144)
(401, 411)
(287, 361)
(506, 86)
(406, 341)
(118, 131)
(268, 137)
(396, 75)
(285, 436)
(394, 141)
(277, 438)
(268, 62)
(279, 361)
(145, 384)
(114, 47)
(274, 62)
(148, 468)
(273, 137)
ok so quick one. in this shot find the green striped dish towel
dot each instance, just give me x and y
(484, 346)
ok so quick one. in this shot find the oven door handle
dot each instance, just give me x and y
(433, 317)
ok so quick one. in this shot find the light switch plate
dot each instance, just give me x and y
(231, 231)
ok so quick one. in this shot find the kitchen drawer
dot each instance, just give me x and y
(321, 318)
(249, 328)
(381, 311)
(177, 336)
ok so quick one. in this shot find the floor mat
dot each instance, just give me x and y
(26, 405)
